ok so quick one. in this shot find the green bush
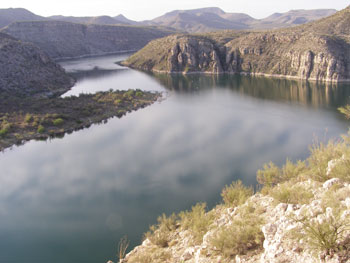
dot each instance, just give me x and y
(58, 122)
(272, 175)
(241, 236)
(41, 129)
(291, 193)
(236, 194)
(320, 156)
(117, 102)
(327, 235)
(197, 221)
(28, 118)
(160, 234)
(139, 94)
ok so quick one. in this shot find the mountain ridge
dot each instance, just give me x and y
(314, 51)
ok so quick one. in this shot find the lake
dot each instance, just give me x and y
(71, 199)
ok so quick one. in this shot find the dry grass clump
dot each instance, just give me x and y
(236, 194)
(291, 193)
(242, 235)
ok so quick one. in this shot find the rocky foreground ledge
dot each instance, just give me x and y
(301, 214)
(318, 51)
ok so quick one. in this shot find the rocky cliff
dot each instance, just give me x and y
(63, 39)
(26, 70)
(316, 51)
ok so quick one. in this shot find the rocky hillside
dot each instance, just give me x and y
(26, 70)
(63, 39)
(301, 214)
(10, 15)
(213, 19)
(315, 51)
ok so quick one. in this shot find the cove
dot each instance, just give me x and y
(72, 199)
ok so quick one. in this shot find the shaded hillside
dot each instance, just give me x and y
(26, 70)
(100, 20)
(62, 39)
(10, 15)
(213, 19)
(316, 51)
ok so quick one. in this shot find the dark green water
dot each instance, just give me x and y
(71, 200)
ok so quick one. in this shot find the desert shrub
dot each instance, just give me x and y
(269, 176)
(341, 168)
(122, 247)
(28, 118)
(139, 93)
(323, 235)
(160, 234)
(272, 175)
(117, 102)
(58, 121)
(130, 93)
(321, 154)
(41, 129)
(5, 128)
(197, 221)
(345, 110)
(291, 193)
(151, 255)
(241, 236)
(236, 194)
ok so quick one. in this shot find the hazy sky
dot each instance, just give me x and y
(148, 9)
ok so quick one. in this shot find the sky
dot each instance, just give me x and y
(149, 9)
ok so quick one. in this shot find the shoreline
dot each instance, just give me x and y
(47, 118)
(254, 74)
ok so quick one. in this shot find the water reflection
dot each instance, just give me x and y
(71, 200)
(301, 92)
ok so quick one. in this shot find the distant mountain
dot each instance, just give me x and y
(292, 18)
(27, 70)
(10, 15)
(318, 51)
(99, 20)
(213, 19)
(125, 20)
(62, 39)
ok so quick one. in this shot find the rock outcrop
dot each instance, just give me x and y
(27, 70)
(281, 222)
(316, 51)
(63, 39)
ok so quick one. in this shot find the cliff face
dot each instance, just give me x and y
(63, 39)
(316, 51)
(26, 70)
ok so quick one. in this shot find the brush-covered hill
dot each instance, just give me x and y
(26, 70)
(319, 51)
(10, 15)
(63, 39)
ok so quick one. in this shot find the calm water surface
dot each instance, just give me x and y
(71, 200)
